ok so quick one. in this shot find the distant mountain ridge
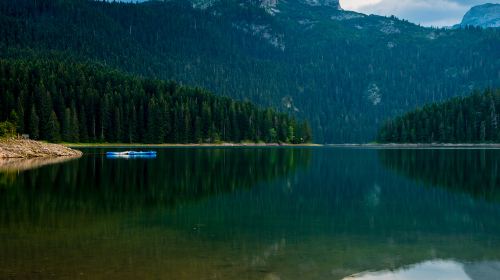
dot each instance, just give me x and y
(269, 5)
(487, 15)
(263, 3)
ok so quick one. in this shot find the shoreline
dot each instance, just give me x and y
(168, 145)
(347, 145)
(12, 148)
(15, 148)
(418, 146)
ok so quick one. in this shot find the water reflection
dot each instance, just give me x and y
(347, 213)
(471, 171)
(313, 213)
(10, 165)
(96, 183)
(438, 269)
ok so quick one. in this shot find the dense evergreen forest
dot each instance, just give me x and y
(472, 119)
(344, 72)
(59, 100)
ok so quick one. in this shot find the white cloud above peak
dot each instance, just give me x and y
(353, 5)
(424, 12)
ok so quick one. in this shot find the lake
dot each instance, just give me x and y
(255, 213)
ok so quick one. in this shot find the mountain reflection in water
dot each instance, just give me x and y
(438, 269)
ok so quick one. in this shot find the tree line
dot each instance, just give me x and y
(62, 100)
(472, 119)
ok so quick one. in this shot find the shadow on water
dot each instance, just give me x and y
(474, 172)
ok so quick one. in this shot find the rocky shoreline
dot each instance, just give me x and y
(23, 148)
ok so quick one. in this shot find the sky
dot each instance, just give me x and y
(425, 12)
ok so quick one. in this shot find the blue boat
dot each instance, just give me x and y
(131, 154)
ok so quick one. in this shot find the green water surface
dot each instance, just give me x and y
(255, 213)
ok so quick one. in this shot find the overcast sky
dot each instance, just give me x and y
(424, 12)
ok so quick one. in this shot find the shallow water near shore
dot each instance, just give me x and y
(255, 213)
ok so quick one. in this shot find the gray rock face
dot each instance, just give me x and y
(267, 4)
(487, 15)
(330, 3)
(273, 3)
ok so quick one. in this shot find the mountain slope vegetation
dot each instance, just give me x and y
(61, 100)
(344, 72)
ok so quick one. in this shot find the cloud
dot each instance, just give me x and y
(354, 5)
(424, 12)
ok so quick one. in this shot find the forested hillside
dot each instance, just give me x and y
(59, 100)
(472, 119)
(344, 72)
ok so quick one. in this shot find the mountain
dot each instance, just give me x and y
(268, 4)
(487, 15)
(344, 72)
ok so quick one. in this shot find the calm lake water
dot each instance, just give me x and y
(255, 213)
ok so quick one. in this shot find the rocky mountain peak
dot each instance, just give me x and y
(330, 3)
(487, 15)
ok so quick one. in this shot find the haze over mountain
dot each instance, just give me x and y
(343, 71)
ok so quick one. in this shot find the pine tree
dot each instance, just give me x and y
(45, 112)
(34, 124)
(66, 126)
(20, 120)
(82, 125)
(53, 128)
(74, 126)
(307, 132)
(291, 134)
(14, 120)
(132, 131)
